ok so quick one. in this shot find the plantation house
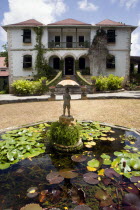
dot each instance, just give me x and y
(73, 42)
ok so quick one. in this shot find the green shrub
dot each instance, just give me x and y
(114, 82)
(60, 133)
(111, 82)
(3, 92)
(25, 87)
(101, 83)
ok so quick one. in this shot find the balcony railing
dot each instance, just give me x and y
(85, 44)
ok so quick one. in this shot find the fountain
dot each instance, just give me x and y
(69, 165)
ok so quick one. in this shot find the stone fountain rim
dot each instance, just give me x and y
(41, 122)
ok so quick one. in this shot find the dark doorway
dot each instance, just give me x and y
(81, 63)
(57, 41)
(56, 63)
(69, 66)
(69, 40)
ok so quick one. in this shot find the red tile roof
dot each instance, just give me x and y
(108, 22)
(69, 22)
(31, 22)
(4, 73)
(2, 62)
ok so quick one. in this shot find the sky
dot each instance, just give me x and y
(88, 11)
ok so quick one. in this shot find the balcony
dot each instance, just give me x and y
(85, 44)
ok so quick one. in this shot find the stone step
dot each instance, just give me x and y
(87, 77)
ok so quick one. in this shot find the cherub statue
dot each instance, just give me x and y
(66, 98)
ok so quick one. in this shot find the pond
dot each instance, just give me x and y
(105, 174)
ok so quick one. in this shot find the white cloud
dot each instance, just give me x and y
(87, 6)
(126, 3)
(135, 40)
(44, 11)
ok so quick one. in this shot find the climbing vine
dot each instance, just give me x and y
(98, 50)
(77, 65)
(40, 60)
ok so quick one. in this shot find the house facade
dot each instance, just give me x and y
(69, 41)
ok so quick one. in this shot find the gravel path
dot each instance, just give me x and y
(123, 112)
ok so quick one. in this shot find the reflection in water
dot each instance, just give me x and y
(16, 180)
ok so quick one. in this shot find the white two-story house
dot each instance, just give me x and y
(68, 40)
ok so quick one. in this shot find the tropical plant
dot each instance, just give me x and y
(61, 133)
(20, 144)
(111, 82)
(26, 87)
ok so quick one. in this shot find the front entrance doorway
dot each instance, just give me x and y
(69, 66)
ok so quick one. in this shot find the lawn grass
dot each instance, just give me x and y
(123, 112)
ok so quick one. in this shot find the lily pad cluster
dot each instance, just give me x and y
(93, 131)
(20, 144)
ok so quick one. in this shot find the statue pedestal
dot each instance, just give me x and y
(52, 98)
(68, 120)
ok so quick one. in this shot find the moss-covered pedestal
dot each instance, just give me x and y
(67, 135)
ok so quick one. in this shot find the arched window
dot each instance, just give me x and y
(56, 63)
(27, 61)
(110, 62)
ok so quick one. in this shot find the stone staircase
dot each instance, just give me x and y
(72, 89)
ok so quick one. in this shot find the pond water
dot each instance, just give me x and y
(84, 184)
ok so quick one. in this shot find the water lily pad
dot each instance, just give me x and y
(103, 138)
(82, 207)
(132, 189)
(54, 178)
(135, 163)
(32, 192)
(106, 181)
(135, 179)
(110, 172)
(91, 168)
(91, 178)
(111, 139)
(104, 197)
(107, 162)
(93, 163)
(101, 172)
(79, 158)
(136, 173)
(31, 207)
(68, 173)
(132, 201)
(104, 156)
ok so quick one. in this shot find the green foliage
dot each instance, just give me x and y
(41, 64)
(25, 87)
(92, 131)
(60, 133)
(40, 50)
(81, 79)
(93, 163)
(77, 65)
(126, 162)
(20, 144)
(3, 92)
(55, 80)
(111, 82)
(61, 64)
(5, 53)
(86, 71)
